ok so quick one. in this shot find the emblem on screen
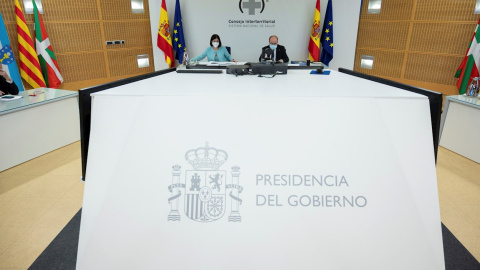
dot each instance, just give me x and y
(209, 191)
(251, 6)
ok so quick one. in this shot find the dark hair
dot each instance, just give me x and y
(214, 36)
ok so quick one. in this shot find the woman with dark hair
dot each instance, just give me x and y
(216, 52)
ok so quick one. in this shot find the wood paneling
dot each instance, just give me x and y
(7, 9)
(125, 62)
(75, 37)
(387, 63)
(431, 36)
(122, 10)
(392, 10)
(70, 10)
(432, 68)
(78, 30)
(391, 35)
(135, 33)
(82, 66)
(449, 38)
(446, 10)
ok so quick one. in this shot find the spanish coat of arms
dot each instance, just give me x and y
(205, 187)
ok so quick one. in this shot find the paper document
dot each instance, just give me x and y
(220, 63)
(9, 97)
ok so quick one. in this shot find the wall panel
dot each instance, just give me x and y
(445, 10)
(440, 37)
(392, 35)
(124, 62)
(82, 66)
(135, 33)
(75, 37)
(392, 10)
(69, 10)
(78, 30)
(432, 36)
(8, 10)
(432, 68)
(387, 63)
(122, 10)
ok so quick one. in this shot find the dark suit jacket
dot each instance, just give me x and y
(281, 53)
(8, 88)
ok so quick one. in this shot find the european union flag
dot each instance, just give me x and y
(327, 36)
(178, 39)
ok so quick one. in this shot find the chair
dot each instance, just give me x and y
(229, 50)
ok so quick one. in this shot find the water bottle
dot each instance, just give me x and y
(472, 90)
(186, 59)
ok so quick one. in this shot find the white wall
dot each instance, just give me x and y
(292, 25)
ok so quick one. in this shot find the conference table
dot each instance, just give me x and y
(36, 122)
(298, 171)
(460, 124)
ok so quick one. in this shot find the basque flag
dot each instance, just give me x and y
(469, 68)
(178, 39)
(6, 57)
(46, 57)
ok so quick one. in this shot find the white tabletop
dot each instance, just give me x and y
(297, 83)
(332, 126)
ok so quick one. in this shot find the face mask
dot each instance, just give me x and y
(273, 47)
(215, 44)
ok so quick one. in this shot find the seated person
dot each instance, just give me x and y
(279, 52)
(216, 52)
(7, 86)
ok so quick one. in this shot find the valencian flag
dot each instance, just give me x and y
(470, 65)
(327, 36)
(314, 44)
(178, 39)
(46, 57)
(7, 59)
(164, 40)
(29, 66)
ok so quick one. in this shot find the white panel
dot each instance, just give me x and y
(383, 151)
(142, 61)
(33, 132)
(374, 6)
(293, 21)
(461, 125)
(137, 6)
(366, 61)
(28, 4)
(477, 7)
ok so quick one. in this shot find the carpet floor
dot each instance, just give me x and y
(61, 254)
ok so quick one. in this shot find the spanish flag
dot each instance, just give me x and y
(314, 44)
(164, 40)
(29, 66)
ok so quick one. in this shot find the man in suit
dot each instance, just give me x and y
(278, 53)
(7, 86)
